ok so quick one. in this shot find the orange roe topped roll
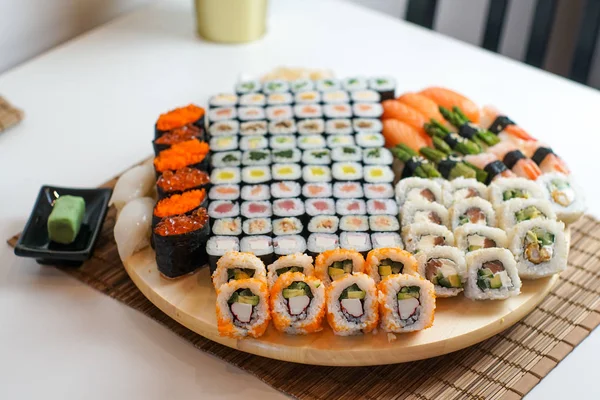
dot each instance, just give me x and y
(180, 155)
(179, 117)
(179, 204)
(335, 264)
(387, 261)
(176, 182)
(180, 224)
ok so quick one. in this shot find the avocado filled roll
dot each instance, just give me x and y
(504, 189)
(471, 237)
(331, 265)
(425, 235)
(491, 275)
(352, 305)
(384, 262)
(291, 263)
(565, 196)
(519, 210)
(243, 308)
(235, 266)
(445, 267)
(472, 211)
(298, 304)
(419, 211)
(540, 248)
(406, 303)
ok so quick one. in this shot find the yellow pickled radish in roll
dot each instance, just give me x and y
(298, 303)
(352, 305)
(406, 303)
(236, 265)
(335, 264)
(243, 308)
(298, 262)
(387, 261)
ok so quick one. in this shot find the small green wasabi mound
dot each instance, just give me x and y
(65, 219)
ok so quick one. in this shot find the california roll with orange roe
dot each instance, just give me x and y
(180, 181)
(243, 308)
(175, 136)
(298, 303)
(179, 243)
(191, 153)
(178, 118)
(179, 204)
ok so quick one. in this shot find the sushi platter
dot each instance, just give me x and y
(335, 222)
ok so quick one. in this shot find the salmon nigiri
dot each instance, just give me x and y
(395, 109)
(397, 132)
(545, 158)
(515, 160)
(422, 104)
(499, 124)
(449, 99)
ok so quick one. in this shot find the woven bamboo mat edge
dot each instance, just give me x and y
(9, 115)
(586, 230)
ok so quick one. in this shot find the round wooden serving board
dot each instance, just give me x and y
(459, 322)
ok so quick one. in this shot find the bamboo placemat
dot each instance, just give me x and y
(9, 115)
(506, 366)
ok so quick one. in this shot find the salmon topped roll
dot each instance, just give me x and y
(398, 132)
(387, 261)
(297, 303)
(334, 264)
(449, 99)
(406, 303)
(243, 308)
(352, 305)
(422, 104)
(236, 265)
(298, 262)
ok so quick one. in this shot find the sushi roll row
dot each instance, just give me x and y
(464, 232)
(384, 86)
(355, 295)
(180, 221)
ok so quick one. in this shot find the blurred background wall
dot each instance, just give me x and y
(29, 27)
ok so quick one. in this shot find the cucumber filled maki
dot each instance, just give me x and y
(384, 262)
(180, 243)
(243, 308)
(445, 267)
(236, 266)
(298, 262)
(407, 303)
(332, 265)
(352, 305)
(491, 274)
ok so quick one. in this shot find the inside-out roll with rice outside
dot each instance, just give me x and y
(465, 188)
(238, 266)
(564, 194)
(504, 189)
(471, 237)
(418, 189)
(335, 264)
(352, 305)
(297, 303)
(491, 275)
(406, 303)
(474, 210)
(243, 308)
(298, 262)
(540, 247)
(518, 210)
(383, 262)
(445, 267)
(418, 211)
(425, 235)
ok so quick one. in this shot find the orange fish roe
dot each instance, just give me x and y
(182, 179)
(179, 203)
(179, 135)
(181, 155)
(181, 224)
(179, 117)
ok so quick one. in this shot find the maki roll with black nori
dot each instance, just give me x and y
(286, 156)
(316, 157)
(354, 83)
(182, 180)
(256, 192)
(253, 99)
(289, 244)
(251, 113)
(365, 96)
(179, 118)
(278, 99)
(249, 128)
(385, 86)
(259, 245)
(334, 141)
(282, 127)
(175, 136)
(257, 226)
(276, 86)
(316, 207)
(323, 224)
(224, 143)
(179, 204)
(223, 128)
(319, 242)
(287, 226)
(245, 87)
(301, 85)
(217, 246)
(256, 157)
(223, 100)
(308, 97)
(224, 192)
(347, 190)
(314, 190)
(180, 243)
(227, 227)
(339, 126)
(222, 114)
(282, 142)
(285, 189)
(223, 209)
(354, 223)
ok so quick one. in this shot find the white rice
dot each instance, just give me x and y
(458, 211)
(419, 211)
(410, 189)
(447, 252)
(419, 237)
(341, 325)
(506, 213)
(501, 185)
(475, 259)
(234, 259)
(292, 260)
(464, 234)
(566, 212)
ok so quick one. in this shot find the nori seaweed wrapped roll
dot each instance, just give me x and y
(175, 136)
(178, 118)
(180, 243)
(182, 180)
(179, 204)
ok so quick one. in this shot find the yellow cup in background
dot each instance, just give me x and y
(231, 21)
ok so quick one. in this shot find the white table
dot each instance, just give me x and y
(101, 93)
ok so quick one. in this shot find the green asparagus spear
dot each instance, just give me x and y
(462, 122)
(442, 146)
